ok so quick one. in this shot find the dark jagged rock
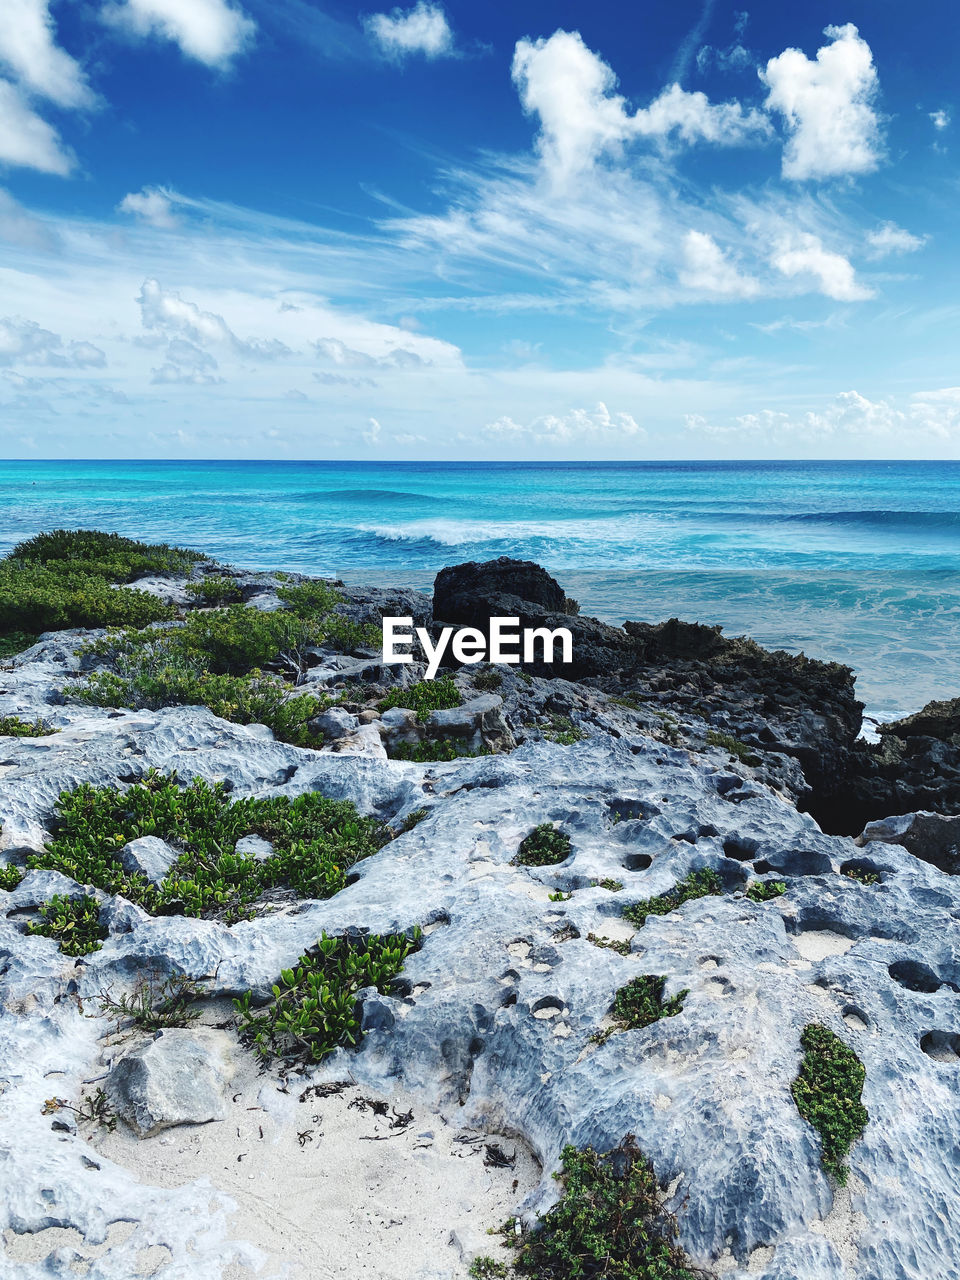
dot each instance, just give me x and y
(940, 720)
(473, 593)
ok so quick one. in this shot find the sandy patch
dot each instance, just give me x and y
(341, 1184)
(817, 944)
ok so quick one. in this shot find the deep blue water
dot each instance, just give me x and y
(854, 561)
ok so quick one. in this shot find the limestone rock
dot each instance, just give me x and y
(335, 723)
(477, 723)
(930, 836)
(180, 1077)
(149, 856)
(255, 847)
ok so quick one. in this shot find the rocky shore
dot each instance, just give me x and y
(719, 824)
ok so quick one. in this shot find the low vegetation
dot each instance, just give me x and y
(75, 578)
(215, 590)
(827, 1092)
(698, 884)
(611, 1222)
(640, 1003)
(314, 1009)
(10, 878)
(544, 846)
(14, 727)
(316, 841)
(155, 1003)
(766, 890)
(861, 875)
(74, 923)
(434, 750)
(562, 730)
(487, 680)
(739, 750)
(424, 697)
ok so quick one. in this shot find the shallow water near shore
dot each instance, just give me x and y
(857, 562)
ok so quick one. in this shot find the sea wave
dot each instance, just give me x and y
(927, 520)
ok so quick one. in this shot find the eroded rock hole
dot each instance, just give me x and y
(915, 976)
(942, 1046)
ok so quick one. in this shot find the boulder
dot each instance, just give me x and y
(477, 723)
(335, 723)
(149, 856)
(939, 720)
(475, 592)
(930, 836)
(180, 1077)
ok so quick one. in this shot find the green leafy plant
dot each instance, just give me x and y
(559, 896)
(622, 947)
(611, 1222)
(640, 1003)
(734, 746)
(488, 679)
(14, 727)
(611, 886)
(698, 884)
(562, 730)
(314, 1007)
(73, 922)
(487, 1268)
(765, 890)
(544, 846)
(93, 1109)
(412, 820)
(215, 590)
(156, 1002)
(827, 1092)
(15, 642)
(316, 843)
(861, 876)
(424, 697)
(10, 877)
(435, 750)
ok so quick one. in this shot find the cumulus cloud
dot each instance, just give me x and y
(186, 363)
(422, 29)
(28, 49)
(210, 31)
(806, 256)
(889, 238)
(372, 435)
(338, 353)
(577, 426)
(165, 311)
(572, 91)
(941, 118)
(827, 105)
(707, 269)
(849, 415)
(25, 342)
(151, 205)
(26, 140)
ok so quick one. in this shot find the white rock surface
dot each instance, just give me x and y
(149, 856)
(180, 1077)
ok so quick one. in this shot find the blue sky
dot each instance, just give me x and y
(660, 229)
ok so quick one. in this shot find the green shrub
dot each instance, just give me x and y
(563, 731)
(640, 1003)
(314, 1008)
(107, 555)
(487, 1268)
(215, 590)
(544, 846)
(155, 1002)
(316, 840)
(311, 599)
(433, 750)
(14, 727)
(861, 876)
(610, 1222)
(424, 697)
(15, 642)
(488, 679)
(10, 877)
(827, 1092)
(765, 890)
(73, 922)
(698, 884)
(736, 748)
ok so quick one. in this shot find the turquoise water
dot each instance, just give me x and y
(854, 561)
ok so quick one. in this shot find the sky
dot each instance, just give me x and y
(511, 230)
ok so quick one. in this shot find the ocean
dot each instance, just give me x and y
(853, 561)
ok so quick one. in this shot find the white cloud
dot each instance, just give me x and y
(941, 118)
(578, 425)
(153, 205)
(19, 227)
(806, 256)
(707, 270)
(422, 29)
(827, 106)
(572, 91)
(25, 342)
(889, 238)
(27, 141)
(29, 50)
(932, 415)
(164, 309)
(187, 363)
(211, 31)
(373, 434)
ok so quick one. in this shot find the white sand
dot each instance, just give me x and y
(327, 1188)
(817, 944)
